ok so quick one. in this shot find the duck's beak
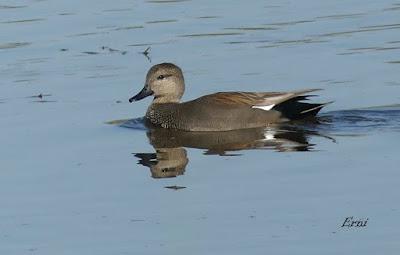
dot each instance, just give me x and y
(145, 92)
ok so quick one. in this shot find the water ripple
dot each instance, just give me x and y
(13, 45)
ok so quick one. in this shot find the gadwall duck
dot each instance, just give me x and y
(221, 111)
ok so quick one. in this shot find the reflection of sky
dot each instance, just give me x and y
(283, 45)
(71, 184)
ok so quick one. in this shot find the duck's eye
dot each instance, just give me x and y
(160, 77)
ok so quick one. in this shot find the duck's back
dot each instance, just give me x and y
(209, 114)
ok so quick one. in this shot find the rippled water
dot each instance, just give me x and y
(73, 184)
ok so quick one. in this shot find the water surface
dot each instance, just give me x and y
(73, 184)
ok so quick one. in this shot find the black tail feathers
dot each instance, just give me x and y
(294, 109)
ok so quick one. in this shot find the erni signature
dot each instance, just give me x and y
(351, 222)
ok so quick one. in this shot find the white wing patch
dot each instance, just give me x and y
(269, 135)
(264, 107)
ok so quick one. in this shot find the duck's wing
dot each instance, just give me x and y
(289, 104)
(261, 100)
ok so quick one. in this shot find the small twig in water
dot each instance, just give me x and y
(41, 96)
(175, 187)
(146, 53)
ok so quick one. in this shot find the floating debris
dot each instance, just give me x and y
(111, 50)
(41, 96)
(175, 187)
(108, 48)
(146, 53)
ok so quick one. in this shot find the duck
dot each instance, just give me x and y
(222, 111)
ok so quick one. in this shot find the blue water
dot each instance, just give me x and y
(73, 184)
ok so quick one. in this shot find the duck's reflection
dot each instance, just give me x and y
(165, 163)
(170, 157)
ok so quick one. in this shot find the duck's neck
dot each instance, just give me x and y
(165, 100)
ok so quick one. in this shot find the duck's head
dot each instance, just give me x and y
(165, 82)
